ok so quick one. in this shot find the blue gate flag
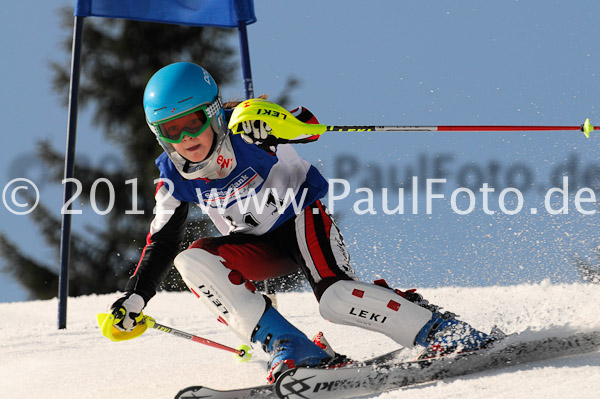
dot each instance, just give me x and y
(217, 13)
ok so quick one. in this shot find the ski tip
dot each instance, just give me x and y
(189, 392)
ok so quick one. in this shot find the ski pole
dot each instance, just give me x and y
(105, 321)
(287, 126)
(243, 351)
(453, 128)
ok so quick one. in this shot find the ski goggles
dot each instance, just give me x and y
(192, 123)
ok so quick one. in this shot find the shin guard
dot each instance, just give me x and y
(375, 308)
(222, 290)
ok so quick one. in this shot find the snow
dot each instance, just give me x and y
(40, 361)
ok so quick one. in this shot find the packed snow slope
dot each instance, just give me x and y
(39, 361)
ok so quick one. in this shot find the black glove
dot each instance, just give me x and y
(127, 311)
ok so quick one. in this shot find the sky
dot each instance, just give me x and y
(385, 63)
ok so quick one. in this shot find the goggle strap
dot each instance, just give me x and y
(214, 107)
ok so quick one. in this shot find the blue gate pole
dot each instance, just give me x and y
(245, 53)
(63, 279)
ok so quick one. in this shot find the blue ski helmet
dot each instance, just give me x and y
(176, 89)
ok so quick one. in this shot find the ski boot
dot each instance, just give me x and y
(445, 334)
(288, 346)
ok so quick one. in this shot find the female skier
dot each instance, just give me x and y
(206, 164)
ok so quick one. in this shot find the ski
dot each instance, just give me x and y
(257, 392)
(350, 382)
(267, 390)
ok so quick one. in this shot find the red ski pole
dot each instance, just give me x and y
(243, 351)
(106, 323)
(285, 126)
